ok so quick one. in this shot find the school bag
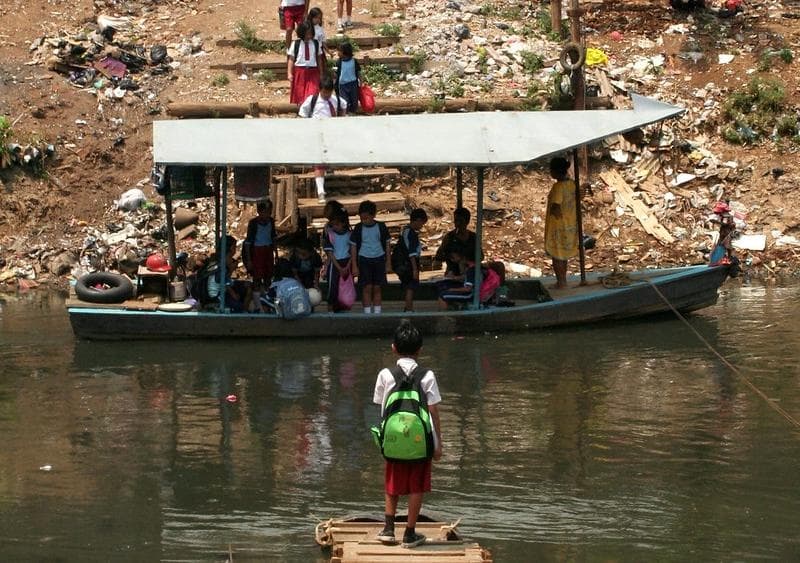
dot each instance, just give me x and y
(406, 431)
(198, 286)
(291, 299)
(400, 257)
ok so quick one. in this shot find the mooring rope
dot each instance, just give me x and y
(772, 404)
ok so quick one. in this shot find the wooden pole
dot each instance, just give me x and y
(217, 192)
(476, 288)
(223, 243)
(170, 232)
(555, 16)
(579, 76)
(579, 216)
(459, 187)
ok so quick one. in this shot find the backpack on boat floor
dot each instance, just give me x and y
(406, 431)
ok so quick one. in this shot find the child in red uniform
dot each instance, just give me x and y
(260, 250)
(305, 66)
(408, 478)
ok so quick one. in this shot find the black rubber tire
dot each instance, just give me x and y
(119, 288)
(566, 60)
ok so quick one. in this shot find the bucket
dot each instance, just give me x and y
(177, 291)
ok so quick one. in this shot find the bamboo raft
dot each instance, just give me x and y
(354, 540)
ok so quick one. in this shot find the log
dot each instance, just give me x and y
(382, 105)
(280, 201)
(291, 201)
(213, 110)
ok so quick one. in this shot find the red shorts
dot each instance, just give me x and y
(293, 15)
(401, 478)
(263, 262)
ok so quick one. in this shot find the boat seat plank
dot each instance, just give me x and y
(349, 173)
(130, 305)
(384, 201)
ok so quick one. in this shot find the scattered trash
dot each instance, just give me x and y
(725, 58)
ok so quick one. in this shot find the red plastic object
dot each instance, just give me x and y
(366, 98)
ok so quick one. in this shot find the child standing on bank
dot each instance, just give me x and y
(405, 259)
(408, 478)
(259, 249)
(305, 65)
(337, 247)
(369, 245)
(348, 76)
(292, 12)
(322, 105)
(314, 19)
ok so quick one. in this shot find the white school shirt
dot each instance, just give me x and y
(385, 384)
(287, 3)
(321, 109)
(301, 60)
(319, 34)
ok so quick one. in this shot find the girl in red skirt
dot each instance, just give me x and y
(306, 64)
(260, 250)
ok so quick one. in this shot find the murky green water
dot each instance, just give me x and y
(622, 442)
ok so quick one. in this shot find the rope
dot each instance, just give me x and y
(772, 404)
(616, 279)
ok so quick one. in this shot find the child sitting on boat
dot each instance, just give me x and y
(370, 251)
(305, 263)
(411, 478)
(237, 292)
(463, 295)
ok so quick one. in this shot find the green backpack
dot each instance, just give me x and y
(406, 432)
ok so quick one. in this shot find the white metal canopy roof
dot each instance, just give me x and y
(459, 139)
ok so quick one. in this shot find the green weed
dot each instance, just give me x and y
(264, 76)
(531, 62)
(379, 75)
(786, 55)
(220, 80)
(417, 63)
(388, 29)
(246, 34)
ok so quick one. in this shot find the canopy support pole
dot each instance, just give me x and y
(459, 188)
(170, 233)
(222, 257)
(476, 288)
(217, 192)
(579, 216)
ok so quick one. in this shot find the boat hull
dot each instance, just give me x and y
(687, 289)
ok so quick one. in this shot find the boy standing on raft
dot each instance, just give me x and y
(411, 478)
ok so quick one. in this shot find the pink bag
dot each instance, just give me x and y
(347, 290)
(489, 284)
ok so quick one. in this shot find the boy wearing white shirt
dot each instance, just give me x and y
(323, 105)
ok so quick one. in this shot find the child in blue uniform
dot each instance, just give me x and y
(336, 245)
(370, 249)
(409, 271)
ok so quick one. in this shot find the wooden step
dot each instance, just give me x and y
(394, 221)
(278, 65)
(363, 42)
(386, 201)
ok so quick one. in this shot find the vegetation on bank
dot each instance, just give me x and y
(757, 111)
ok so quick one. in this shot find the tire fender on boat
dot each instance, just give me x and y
(572, 56)
(119, 288)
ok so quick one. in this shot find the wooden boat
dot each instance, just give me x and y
(477, 140)
(353, 540)
(535, 306)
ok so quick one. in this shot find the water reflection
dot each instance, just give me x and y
(629, 441)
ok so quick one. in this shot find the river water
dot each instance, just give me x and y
(615, 442)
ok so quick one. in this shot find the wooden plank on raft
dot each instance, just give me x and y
(392, 220)
(617, 183)
(280, 202)
(385, 201)
(352, 173)
(291, 202)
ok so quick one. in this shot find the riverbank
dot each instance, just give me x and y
(60, 221)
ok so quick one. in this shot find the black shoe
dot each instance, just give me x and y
(413, 541)
(386, 536)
